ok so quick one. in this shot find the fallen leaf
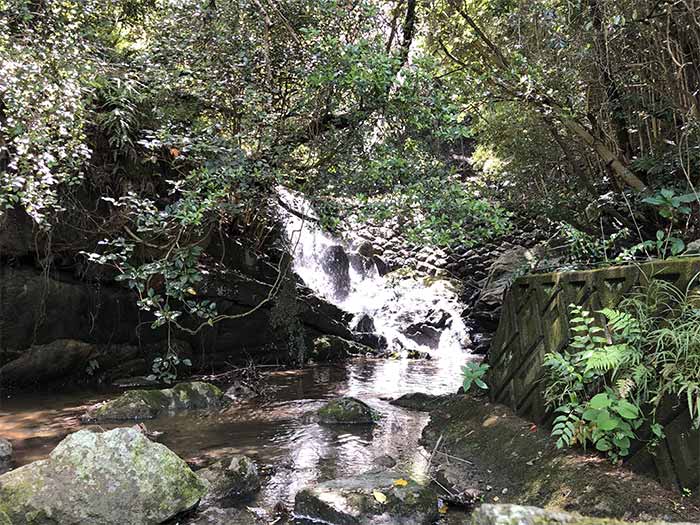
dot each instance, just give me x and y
(381, 498)
(191, 291)
(400, 482)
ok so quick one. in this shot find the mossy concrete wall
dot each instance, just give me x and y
(535, 321)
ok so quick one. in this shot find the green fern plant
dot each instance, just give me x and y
(577, 380)
(647, 350)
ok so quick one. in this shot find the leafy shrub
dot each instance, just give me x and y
(610, 380)
(474, 374)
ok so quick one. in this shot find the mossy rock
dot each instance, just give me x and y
(148, 404)
(347, 411)
(113, 478)
(368, 499)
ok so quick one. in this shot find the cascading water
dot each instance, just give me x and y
(414, 314)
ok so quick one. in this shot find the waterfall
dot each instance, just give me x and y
(413, 313)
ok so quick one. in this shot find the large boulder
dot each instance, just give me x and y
(148, 404)
(66, 360)
(361, 264)
(347, 411)
(118, 477)
(505, 269)
(522, 515)
(5, 455)
(230, 479)
(39, 308)
(373, 498)
(336, 264)
(16, 233)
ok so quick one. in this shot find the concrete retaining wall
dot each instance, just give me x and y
(535, 321)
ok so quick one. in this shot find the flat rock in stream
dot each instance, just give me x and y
(347, 411)
(372, 498)
(510, 514)
(420, 401)
(148, 404)
(112, 478)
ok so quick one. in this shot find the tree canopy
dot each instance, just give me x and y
(148, 119)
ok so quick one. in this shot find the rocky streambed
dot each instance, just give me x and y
(354, 445)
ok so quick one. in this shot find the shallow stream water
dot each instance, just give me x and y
(293, 451)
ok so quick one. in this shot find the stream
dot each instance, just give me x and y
(292, 451)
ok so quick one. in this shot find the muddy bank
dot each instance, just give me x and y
(485, 446)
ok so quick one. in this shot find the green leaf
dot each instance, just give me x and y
(603, 445)
(627, 410)
(591, 414)
(599, 401)
(677, 246)
(605, 422)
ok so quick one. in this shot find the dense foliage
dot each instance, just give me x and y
(611, 379)
(445, 114)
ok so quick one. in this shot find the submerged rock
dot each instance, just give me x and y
(385, 461)
(334, 348)
(510, 514)
(347, 411)
(112, 478)
(5, 455)
(231, 478)
(148, 404)
(240, 391)
(367, 499)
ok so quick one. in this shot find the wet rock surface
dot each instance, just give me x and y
(336, 263)
(112, 478)
(230, 479)
(372, 498)
(347, 411)
(512, 461)
(148, 404)
(5, 455)
(226, 516)
(420, 401)
(522, 515)
(329, 348)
